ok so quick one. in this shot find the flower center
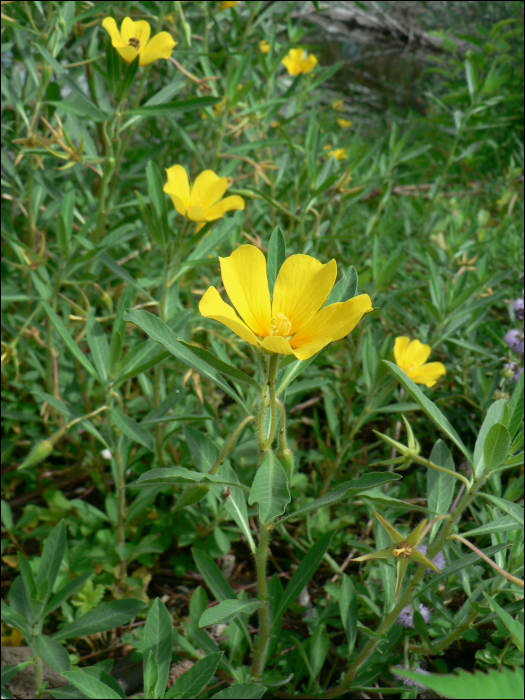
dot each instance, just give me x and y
(133, 41)
(404, 551)
(280, 325)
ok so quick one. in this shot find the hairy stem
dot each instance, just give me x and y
(274, 359)
(263, 638)
(509, 577)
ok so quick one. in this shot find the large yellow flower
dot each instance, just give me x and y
(293, 322)
(203, 201)
(411, 357)
(297, 61)
(133, 40)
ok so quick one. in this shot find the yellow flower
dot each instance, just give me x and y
(133, 40)
(11, 637)
(225, 4)
(339, 154)
(264, 46)
(203, 201)
(411, 358)
(344, 123)
(293, 322)
(297, 61)
(338, 105)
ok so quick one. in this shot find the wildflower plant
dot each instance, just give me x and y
(219, 307)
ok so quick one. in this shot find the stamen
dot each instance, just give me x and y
(280, 325)
(133, 41)
(404, 551)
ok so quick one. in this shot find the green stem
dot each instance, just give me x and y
(502, 572)
(227, 447)
(263, 638)
(431, 465)
(274, 359)
(38, 671)
(121, 524)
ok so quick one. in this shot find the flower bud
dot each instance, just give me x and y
(39, 452)
(285, 457)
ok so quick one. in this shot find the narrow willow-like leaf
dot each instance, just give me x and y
(504, 684)
(514, 626)
(496, 447)
(270, 489)
(513, 509)
(498, 413)
(227, 610)
(276, 256)
(106, 617)
(158, 640)
(440, 486)
(133, 430)
(222, 367)
(193, 682)
(68, 340)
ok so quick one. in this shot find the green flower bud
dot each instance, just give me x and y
(192, 494)
(39, 452)
(285, 457)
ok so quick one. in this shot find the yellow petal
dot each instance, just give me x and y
(110, 26)
(301, 288)
(178, 204)
(134, 30)
(309, 64)
(196, 213)
(212, 306)
(127, 53)
(228, 204)
(278, 344)
(208, 188)
(178, 185)
(332, 323)
(245, 280)
(400, 347)
(428, 374)
(402, 565)
(416, 354)
(160, 46)
(293, 61)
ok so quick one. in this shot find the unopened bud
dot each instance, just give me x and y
(39, 452)
(107, 301)
(285, 457)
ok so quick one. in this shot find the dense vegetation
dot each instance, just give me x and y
(161, 507)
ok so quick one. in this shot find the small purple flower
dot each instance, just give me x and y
(406, 616)
(519, 309)
(517, 375)
(439, 560)
(514, 340)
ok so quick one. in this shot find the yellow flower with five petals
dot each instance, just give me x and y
(264, 46)
(225, 4)
(339, 154)
(202, 202)
(298, 61)
(133, 40)
(344, 123)
(292, 322)
(411, 357)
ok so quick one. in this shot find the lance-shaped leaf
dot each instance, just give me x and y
(270, 489)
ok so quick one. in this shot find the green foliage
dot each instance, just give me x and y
(138, 441)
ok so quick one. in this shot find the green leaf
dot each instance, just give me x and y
(440, 486)
(276, 256)
(52, 556)
(504, 524)
(10, 671)
(66, 592)
(346, 288)
(53, 653)
(106, 617)
(291, 372)
(129, 77)
(203, 450)
(380, 498)
(91, 687)
(496, 447)
(348, 611)
(80, 108)
(228, 610)
(170, 107)
(193, 682)
(516, 407)
(303, 574)
(181, 475)
(161, 333)
(68, 340)
(241, 691)
(28, 608)
(151, 676)
(222, 367)
(429, 407)
(15, 619)
(235, 504)
(27, 576)
(319, 643)
(514, 626)
(495, 414)
(112, 68)
(506, 684)
(513, 509)
(7, 514)
(348, 488)
(217, 584)
(158, 640)
(270, 489)
(98, 344)
(156, 189)
(133, 430)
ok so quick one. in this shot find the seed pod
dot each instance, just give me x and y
(39, 452)
(285, 457)
(192, 494)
